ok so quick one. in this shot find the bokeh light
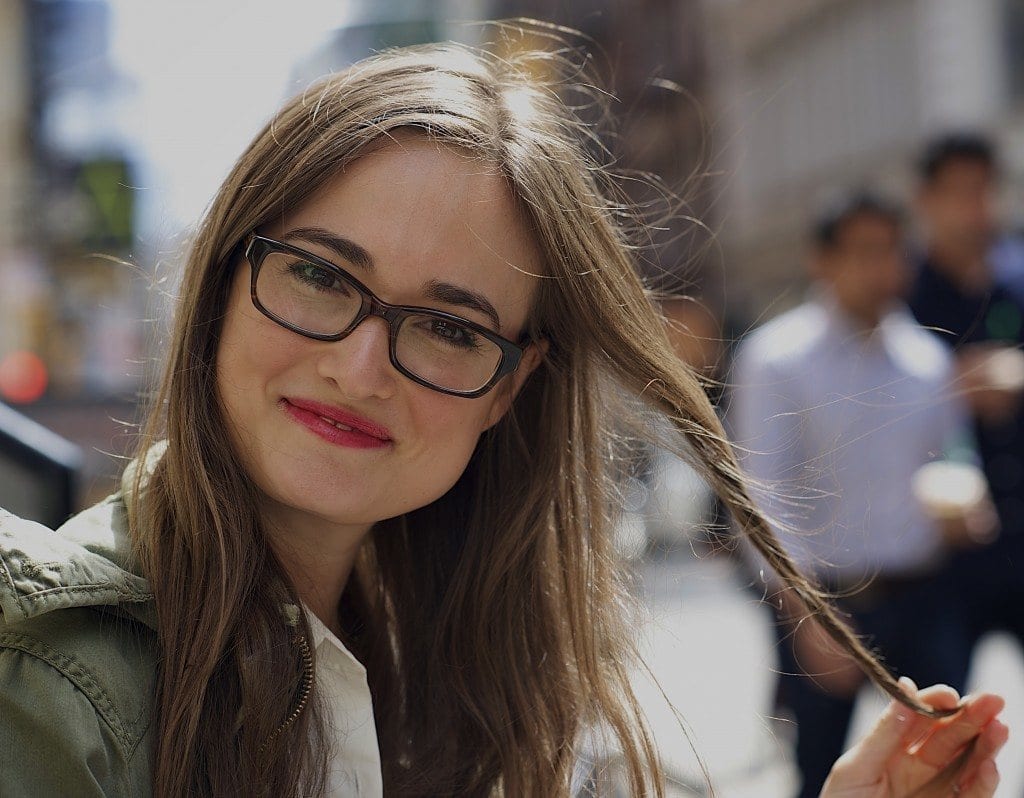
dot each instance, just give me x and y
(23, 377)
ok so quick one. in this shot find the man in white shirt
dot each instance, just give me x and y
(836, 406)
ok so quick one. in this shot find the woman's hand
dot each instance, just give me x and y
(905, 753)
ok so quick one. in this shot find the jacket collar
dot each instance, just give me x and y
(87, 562)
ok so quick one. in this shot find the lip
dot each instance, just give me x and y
(322, 420)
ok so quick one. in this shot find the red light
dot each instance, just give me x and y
(23, 377)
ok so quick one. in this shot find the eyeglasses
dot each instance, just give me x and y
(314, 298)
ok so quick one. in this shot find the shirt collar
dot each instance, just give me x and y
(324, 640)
(847, 330)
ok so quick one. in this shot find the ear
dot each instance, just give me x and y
(506, 393)
(817, 264)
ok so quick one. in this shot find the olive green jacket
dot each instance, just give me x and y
(77, 659)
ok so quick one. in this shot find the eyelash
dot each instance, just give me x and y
(296, 268)
(470, 340)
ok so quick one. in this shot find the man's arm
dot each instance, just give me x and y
(767, 418)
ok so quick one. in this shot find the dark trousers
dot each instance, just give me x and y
(991, 583)
(920, 629)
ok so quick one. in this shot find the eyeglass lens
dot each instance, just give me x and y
(318, 300)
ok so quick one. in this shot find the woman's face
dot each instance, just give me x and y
(427, 216)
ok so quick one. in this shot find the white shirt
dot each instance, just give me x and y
(341, 680)
(833, 422)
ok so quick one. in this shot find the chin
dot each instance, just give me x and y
(328, 512)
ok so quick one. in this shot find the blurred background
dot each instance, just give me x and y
(119, 118)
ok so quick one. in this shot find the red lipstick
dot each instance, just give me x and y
(337, 426)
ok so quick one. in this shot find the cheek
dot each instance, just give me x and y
(251, 345)
(955, 211)
(236, 366)
(249, 359)
(249, 356)
(449, 429)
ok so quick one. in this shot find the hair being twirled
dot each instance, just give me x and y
(490, 621)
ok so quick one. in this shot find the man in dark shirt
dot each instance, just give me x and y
(977, 306)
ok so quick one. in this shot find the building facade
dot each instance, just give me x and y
(812, 95)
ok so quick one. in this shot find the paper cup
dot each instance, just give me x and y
(949, 490)
(1004, 370)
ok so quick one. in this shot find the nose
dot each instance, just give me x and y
(359, 364)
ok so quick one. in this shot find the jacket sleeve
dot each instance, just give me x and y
(55, 738)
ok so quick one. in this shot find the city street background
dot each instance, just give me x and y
(711, 646)
(119, 118)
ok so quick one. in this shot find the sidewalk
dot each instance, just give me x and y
(711, 648)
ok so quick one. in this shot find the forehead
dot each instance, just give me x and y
(449, 198)
(868, 225)
(964, 171)
(428, 211)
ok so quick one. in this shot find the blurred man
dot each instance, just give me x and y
(839, 404)
(974, 300)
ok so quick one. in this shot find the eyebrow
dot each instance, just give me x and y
(456, 295)
(439, 291)
(344, 248)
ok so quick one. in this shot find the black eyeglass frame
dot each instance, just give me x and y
(258, 247)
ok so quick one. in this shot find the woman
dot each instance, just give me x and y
(408, 335)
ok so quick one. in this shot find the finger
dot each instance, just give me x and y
(897, 728)
(985, 782)
(938, 696)
(949, 735)
(993, 737)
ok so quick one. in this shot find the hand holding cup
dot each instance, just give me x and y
(956, 496)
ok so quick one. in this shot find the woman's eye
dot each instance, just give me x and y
(316, 276)
(454, 333)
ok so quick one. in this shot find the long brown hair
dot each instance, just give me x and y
(490, 621)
